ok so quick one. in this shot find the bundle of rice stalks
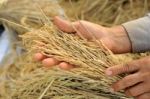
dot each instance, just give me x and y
(58, 84)
(90, 58)
(23, 80)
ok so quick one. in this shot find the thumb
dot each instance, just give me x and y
(124, 68)
(63, 25)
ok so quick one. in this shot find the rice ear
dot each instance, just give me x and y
(28, 79)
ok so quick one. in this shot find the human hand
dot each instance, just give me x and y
(137, 83)
(115, 38)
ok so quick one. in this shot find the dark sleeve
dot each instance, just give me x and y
(139, 33)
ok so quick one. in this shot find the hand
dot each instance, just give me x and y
(115, 38)
(137, 83)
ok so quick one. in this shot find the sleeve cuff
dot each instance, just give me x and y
(139, 33)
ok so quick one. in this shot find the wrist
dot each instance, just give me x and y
(121, 39)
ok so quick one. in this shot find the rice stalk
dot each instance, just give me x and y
(62, 84)
(90, 58)
(87, 80)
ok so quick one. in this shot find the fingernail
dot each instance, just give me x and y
(112, 90)
(108, 72)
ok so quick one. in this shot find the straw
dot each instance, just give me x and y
(27, 79)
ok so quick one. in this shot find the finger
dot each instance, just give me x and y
(39, 57)
(137, 90)
(65, 66)
(49, 62)
(125, 68)
(83, 30)
(80, 27)
(127, 82)
(144, 96)
(64, 25)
